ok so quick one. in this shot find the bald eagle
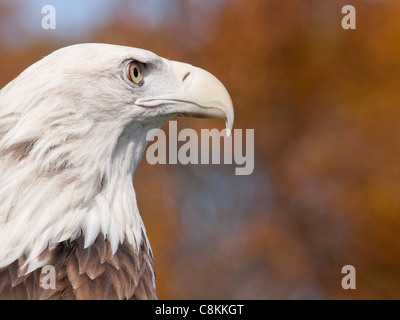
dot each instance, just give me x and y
(72, 131)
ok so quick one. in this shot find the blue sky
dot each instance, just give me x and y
(75, 18)
(78, 15)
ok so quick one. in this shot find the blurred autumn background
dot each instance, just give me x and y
(325, 106)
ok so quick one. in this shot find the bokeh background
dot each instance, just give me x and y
(325, 106)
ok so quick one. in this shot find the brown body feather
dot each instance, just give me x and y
(91, 273)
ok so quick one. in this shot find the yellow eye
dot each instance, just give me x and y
(134, 72)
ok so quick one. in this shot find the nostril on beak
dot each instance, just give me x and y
(186, 76)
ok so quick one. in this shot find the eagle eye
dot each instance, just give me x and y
(134, 72)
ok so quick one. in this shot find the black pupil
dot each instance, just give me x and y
(135, 72)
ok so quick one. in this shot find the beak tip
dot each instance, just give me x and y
(228, 125)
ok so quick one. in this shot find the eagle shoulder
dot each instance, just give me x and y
(93, 273)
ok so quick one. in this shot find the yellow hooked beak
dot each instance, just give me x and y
(201, 95)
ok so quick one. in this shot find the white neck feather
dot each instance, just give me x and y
(114, 211)
(100, 200)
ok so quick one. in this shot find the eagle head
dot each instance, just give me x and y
(72, 131)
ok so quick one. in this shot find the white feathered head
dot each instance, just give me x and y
(73, 129)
